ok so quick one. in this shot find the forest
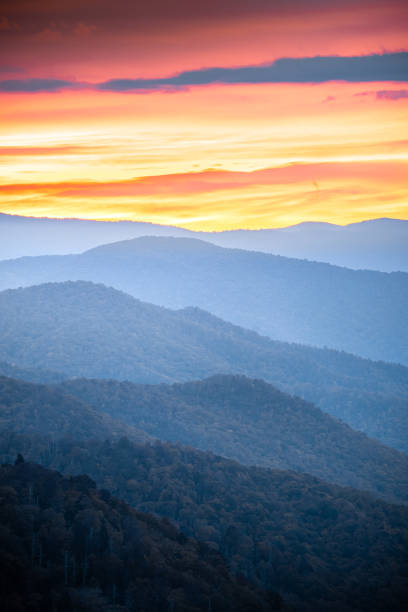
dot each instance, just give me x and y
(322, 547)
(83, 330)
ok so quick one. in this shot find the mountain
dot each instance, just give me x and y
(28, 236)
(244, 419)
(254, 423)
(360, 312)
(29, 408)
(64, 545)
(33, 375)
(82, 329)
(322, 547)
(378, 244)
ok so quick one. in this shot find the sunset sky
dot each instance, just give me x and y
(207, 115)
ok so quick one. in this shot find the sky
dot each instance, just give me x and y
(206, 115)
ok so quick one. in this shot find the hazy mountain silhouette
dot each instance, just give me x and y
(291, 300)
(82, 329)
(378, 244)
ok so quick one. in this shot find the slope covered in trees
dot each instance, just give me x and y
(82, 329)
(65, 546)
(321, 546)
(29, 408)
(254, 423)
(362, 312)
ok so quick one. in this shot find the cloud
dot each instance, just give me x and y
(376, 67)
(319, 69)
(391, 94)
(36, 85)
(385, 94)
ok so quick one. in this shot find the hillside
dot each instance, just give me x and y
(322, 547)
(360, 312)
(82, 329)
(64, 545)
(29, 408)
(254, 423)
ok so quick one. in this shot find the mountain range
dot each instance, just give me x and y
(79, 329)
(360, 312)
(378, 244)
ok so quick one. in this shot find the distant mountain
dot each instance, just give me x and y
(28, 236)
(290, 300)
(322, 547)
(254, 423)
(64, 545)
(33, 375)
(27, 408)
(378, 244)
(82, 329)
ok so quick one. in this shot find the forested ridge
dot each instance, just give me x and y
(65, 546)
(82, 329)
(254, 423)
(322, 547)
(244, 419)
(362, 312)
(30, 408)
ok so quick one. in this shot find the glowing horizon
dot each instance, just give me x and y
(191, 151)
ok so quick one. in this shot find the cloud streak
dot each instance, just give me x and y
(388, 67)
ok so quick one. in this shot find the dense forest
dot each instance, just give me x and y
(65, 546)
(82, 329)
(29, 408)
(254, 423)
(322, 547)
(362, 312)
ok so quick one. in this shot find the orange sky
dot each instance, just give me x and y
(205, 156)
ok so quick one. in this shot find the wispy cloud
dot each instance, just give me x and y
(392, 94)
(36, 85)
(385, 94)
(388, 67)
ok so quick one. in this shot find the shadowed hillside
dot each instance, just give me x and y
(254, 423)
(65, 546)
(323, 547)
(29, 408)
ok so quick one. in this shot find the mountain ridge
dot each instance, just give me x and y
(83, 329)
(383, 250)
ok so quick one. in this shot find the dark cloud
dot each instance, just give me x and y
(391, 94)
(386, 67)
(36, 85)
(385, 94)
